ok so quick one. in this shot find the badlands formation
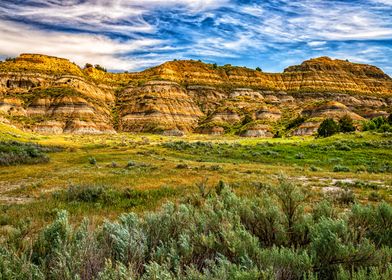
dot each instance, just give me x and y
(53, 95)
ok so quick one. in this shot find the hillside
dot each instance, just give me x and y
(53, 95)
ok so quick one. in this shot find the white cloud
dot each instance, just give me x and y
(80, 48)
(317, 20)
(316, 43)
(165, 29)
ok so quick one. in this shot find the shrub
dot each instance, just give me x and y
(346, 196)
(313, 168)
(271, 153)
(247, 119)
(296, 122)
(300, 156)
(379, 124)
(92, 160)
(14, 153)
(215, 167)
(341, 168)
(328, 128)
(130, 164)
(99, 67)
(346, 124)
(375, 196)
(329, 247)
(274, 234)
(85, 193)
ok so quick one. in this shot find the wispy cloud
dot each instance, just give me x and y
(80, 48)
(130, 34)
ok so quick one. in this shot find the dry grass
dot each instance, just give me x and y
(156, 168)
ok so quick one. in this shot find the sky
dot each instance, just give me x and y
(135, 34)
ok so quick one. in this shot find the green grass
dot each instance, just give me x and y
(147, 163)
(369, 153)
(16, 153)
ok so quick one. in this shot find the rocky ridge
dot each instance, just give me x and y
(53, 95)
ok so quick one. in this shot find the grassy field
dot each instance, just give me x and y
(103, 176)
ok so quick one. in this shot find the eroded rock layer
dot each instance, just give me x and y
(157, 106)
(53, 95)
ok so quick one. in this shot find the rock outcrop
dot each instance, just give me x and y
(53, 95)
(257, 130)
(157, 106)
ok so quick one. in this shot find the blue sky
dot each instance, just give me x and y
(132, 35)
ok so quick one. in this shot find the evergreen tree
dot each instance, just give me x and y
(99, 67)
(346, 124)
(328, 128)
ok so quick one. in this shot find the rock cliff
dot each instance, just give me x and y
(53, 95)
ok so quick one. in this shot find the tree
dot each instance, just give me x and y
(346, 124)
(328, 128)
(258, 69)
(99, 67)
(214, 66)
(88, 65)
(247, 119)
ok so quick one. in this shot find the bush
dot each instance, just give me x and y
(14, 153)
(375, 196)
(274, 234)
(346, 196)
(92, 160)
(341, 168)
(131, 164)
(346, 124)
(182, 166)
(99, 67)
(296, 122)
(85, 193)
(300, 156)
(328, 128)
(379, 124)
(313, 168)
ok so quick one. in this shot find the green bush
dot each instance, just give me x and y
(340, 168)
(379, 124)
(216, 236)
(300, 156)
(295, 122)
(328, 128)
(346, 124)
(14, 153)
